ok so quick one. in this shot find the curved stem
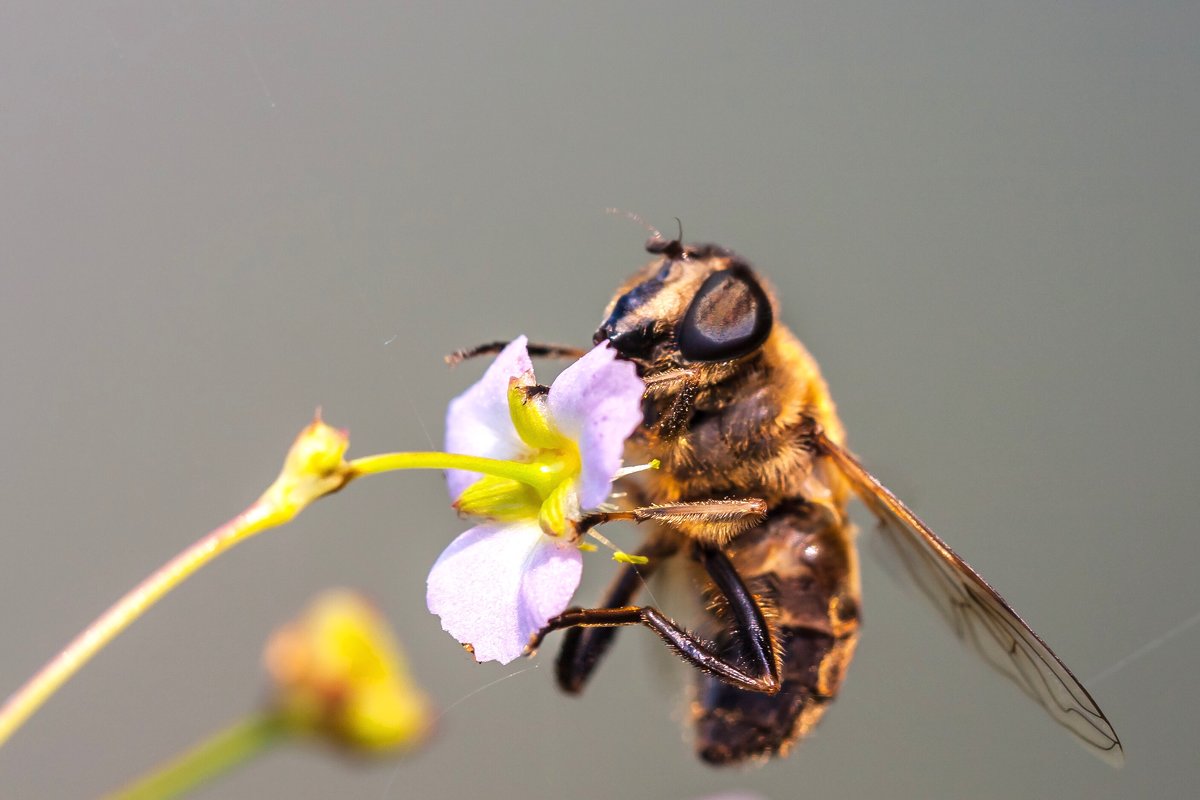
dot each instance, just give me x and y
(303, 480)
(30, 697)
(211, 758)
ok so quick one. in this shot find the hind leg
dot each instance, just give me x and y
(582, 648)
(755, 663)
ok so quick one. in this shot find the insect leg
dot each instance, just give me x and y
(753, 637)
(672, 423)
(706, 521)
(536, 350)
(752, 634)
(582, 648)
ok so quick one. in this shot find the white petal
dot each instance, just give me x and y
(496, 585)
(478, 422)
(597, 401)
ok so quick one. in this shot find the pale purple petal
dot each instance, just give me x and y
(597, 401)
(478, 422)
(496, 585)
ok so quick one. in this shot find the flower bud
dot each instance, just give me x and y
(338, 671)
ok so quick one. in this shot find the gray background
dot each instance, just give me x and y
(214, 217)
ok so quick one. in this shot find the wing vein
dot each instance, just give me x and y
(979, 616)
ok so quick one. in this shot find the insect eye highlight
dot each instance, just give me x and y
(729, 317)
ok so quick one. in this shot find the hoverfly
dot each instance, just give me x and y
(736, 407)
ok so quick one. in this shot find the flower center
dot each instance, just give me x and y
(541, 488)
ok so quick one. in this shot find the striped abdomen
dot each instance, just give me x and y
(801, 563)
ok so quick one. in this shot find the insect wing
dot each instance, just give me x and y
(980, 616)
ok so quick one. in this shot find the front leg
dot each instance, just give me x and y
(535, 350)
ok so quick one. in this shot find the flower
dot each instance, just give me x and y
(339, 671)
(501, 581)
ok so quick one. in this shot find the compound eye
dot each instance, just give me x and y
(730, 317)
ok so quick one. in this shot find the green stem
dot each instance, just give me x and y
(29, 698)
(303, 480)
(541, 477)
(211, 758)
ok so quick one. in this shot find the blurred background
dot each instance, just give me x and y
(214, 217)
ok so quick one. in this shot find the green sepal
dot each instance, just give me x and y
(502, 499)
(559, 506)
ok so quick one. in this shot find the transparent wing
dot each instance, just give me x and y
(980, 616)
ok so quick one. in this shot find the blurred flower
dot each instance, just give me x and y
(501, 581)
(338, 670)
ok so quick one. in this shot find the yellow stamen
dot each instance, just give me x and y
(619, 555)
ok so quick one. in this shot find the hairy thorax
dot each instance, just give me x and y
(748, 433)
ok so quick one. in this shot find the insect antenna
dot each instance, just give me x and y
(655, 233)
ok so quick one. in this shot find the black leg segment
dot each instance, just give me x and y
(753, 635)
(582, 648)
(755, 665)
(536, 350)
